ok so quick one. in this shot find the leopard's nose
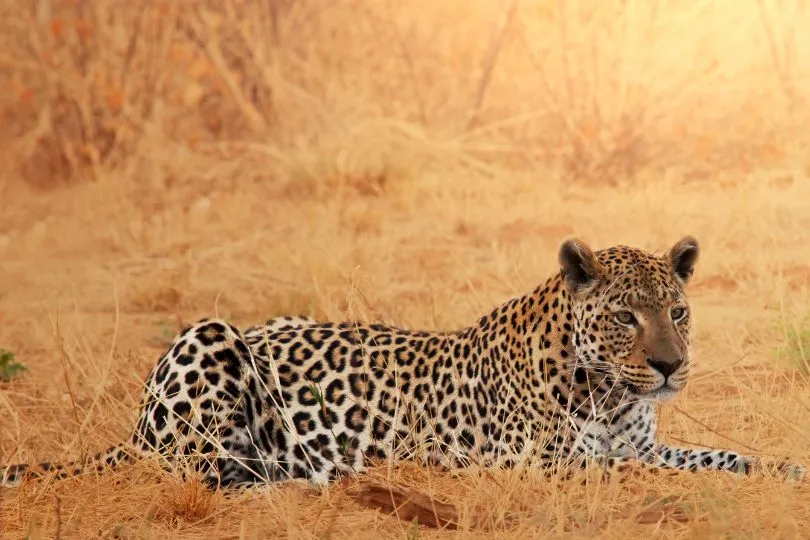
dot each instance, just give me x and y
(665, 367)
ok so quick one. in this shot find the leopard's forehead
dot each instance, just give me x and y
(639, 277)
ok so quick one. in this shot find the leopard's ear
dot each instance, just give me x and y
(682, 257)
(579, 267)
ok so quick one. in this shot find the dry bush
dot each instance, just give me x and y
(583, 89)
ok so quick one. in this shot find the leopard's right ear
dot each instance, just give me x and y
(579, 267)
(682, 257)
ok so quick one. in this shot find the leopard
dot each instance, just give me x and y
(570, 374)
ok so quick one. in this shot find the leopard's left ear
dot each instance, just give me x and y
(682, 258)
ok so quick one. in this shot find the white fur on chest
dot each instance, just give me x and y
(595, 435)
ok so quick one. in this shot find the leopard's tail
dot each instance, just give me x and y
(14, 475)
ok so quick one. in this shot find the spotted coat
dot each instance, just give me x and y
(569, 373)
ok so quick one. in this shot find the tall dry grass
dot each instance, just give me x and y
(403, 161)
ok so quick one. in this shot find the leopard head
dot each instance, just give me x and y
(631, 317)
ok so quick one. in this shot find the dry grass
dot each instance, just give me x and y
(401, 161)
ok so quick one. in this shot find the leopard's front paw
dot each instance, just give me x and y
(783, 469)
(791, 471)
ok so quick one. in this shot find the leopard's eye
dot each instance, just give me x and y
(626, 318)
(677, 313)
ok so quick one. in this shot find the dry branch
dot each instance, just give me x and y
(405, 503)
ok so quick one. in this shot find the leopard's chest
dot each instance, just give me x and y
(606, 434)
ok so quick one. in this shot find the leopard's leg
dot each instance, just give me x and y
(689, 459)
(197, 407)
(621, 467)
